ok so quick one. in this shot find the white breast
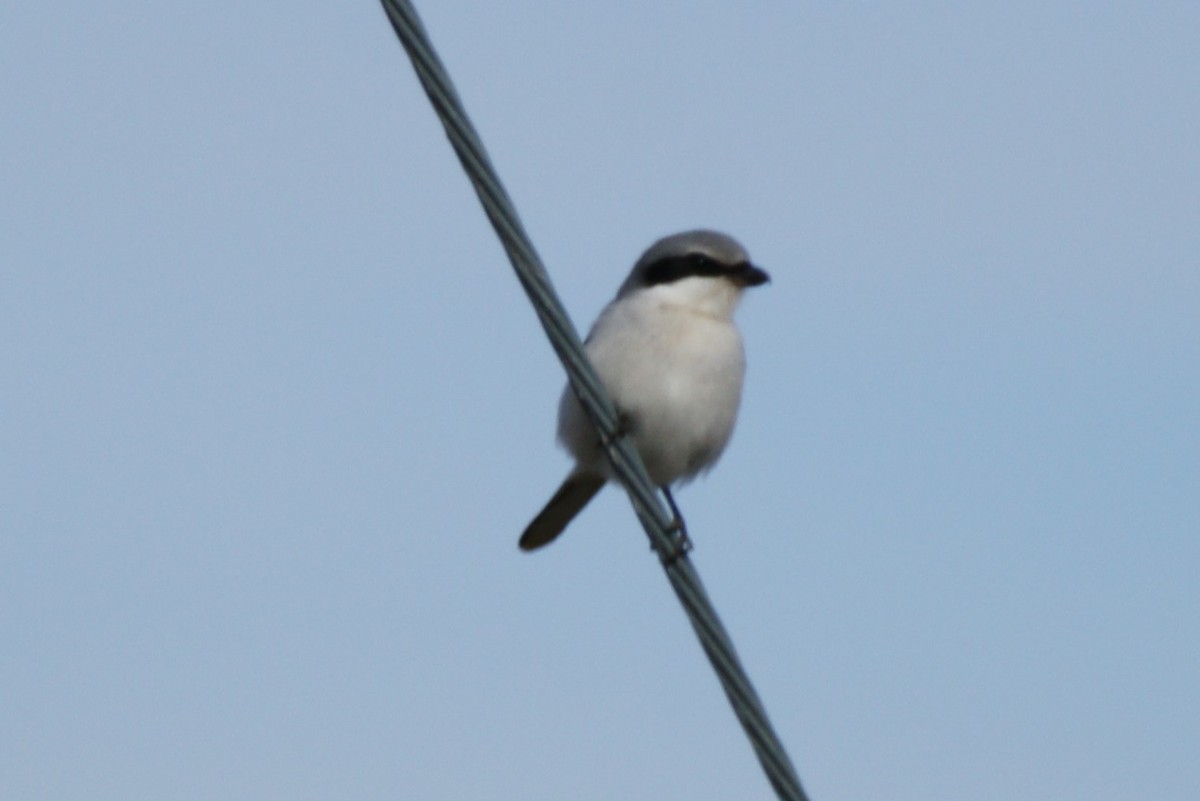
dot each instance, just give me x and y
(675, 371)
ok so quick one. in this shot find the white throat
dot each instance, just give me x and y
(710, 297)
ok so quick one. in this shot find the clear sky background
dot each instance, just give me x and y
(274, 409)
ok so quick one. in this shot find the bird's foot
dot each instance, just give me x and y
(623, 428)
(680, 543)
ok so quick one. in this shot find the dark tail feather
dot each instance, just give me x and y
(572, 496)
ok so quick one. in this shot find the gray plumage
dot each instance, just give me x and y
(669, 355)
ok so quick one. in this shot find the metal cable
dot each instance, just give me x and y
(627, 465)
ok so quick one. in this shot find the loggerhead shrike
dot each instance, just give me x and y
(670, 356)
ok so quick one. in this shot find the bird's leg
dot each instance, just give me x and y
(677, 531)
(680, 541)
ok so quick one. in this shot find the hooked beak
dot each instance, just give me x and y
(749, 275)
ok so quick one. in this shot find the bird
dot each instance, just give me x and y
(670, 356)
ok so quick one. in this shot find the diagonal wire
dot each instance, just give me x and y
(626, 463)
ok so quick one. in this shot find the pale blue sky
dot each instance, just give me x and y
(275, 410)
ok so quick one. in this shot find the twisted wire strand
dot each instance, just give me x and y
(627, 464)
